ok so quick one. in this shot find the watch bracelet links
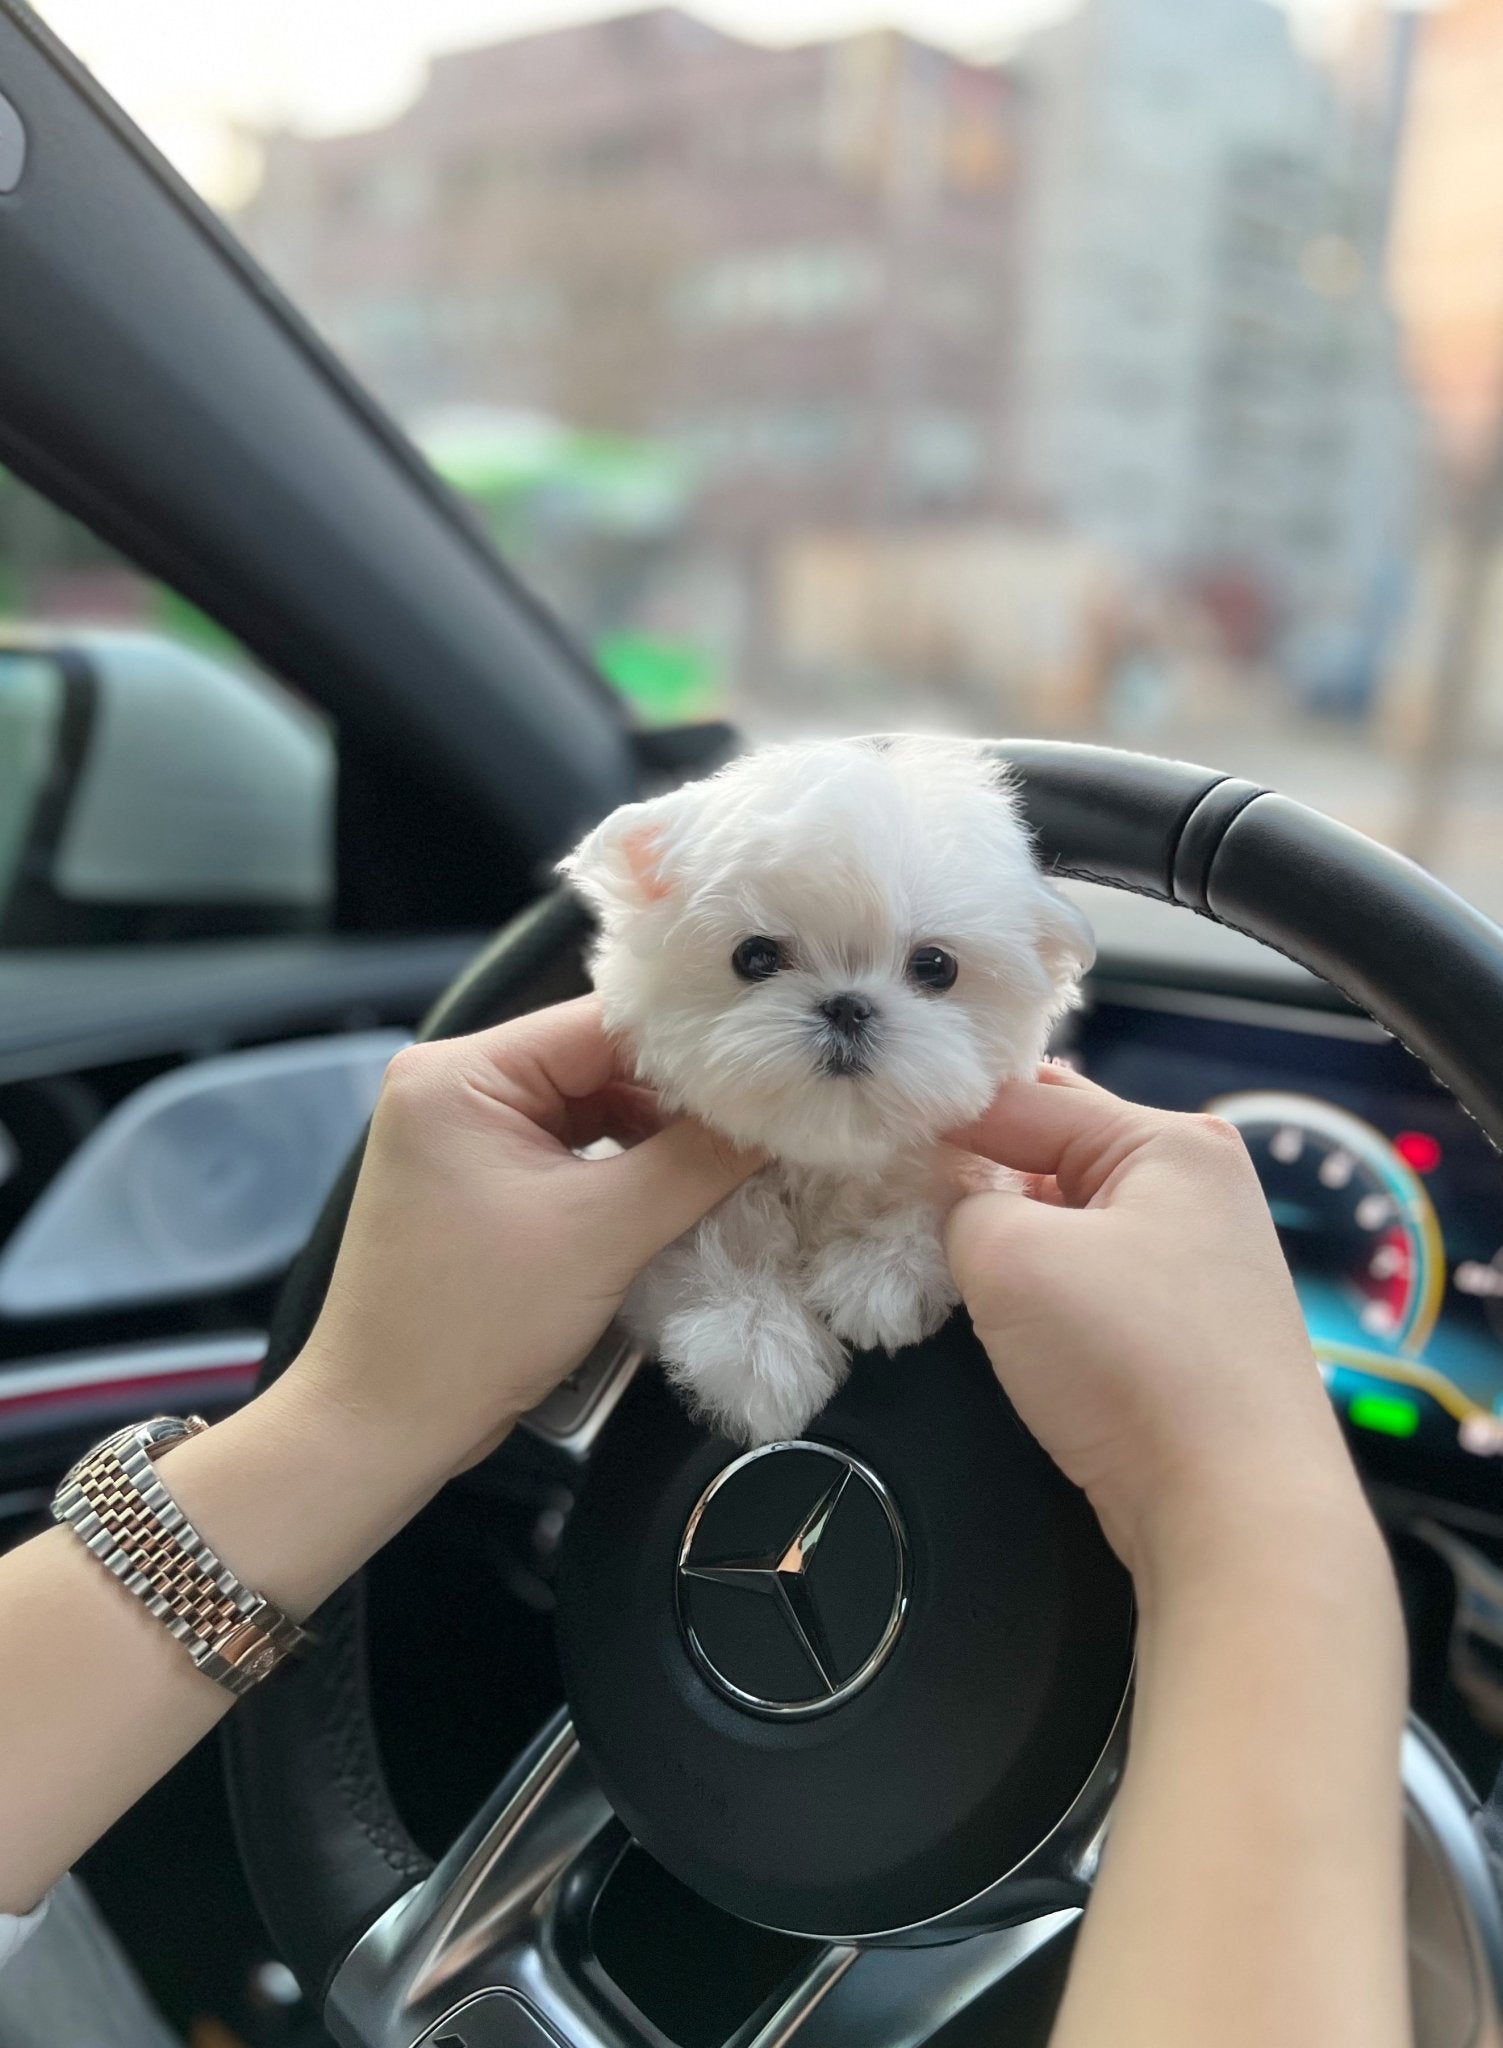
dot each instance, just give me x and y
(119, 1509)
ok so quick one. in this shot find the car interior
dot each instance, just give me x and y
(245, 860)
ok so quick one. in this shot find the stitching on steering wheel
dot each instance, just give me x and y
(351, 1748)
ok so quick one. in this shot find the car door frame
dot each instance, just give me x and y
(157, 385)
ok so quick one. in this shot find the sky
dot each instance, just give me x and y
(196, 74)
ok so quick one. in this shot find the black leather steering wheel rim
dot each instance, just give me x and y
(322, 1844)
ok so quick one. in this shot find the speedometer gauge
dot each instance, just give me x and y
(1357, 1227)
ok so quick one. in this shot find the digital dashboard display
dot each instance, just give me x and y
(1387, 1198)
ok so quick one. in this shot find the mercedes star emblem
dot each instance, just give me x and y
(792, 1578)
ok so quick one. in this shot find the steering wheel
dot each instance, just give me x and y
(912, 1745)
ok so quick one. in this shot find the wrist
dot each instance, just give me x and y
(1291, 1653)
(413, 1428)
(1205, 1502)
(1247, 1551)
(295, 1494)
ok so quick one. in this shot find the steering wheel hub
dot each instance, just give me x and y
(814, 1537)
(845, 1686)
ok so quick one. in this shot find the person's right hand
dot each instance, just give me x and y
(1136, 1306)
(483, 1256)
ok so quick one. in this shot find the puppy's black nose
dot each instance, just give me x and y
(848, 1013)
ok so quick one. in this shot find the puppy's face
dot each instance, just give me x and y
(834, 951)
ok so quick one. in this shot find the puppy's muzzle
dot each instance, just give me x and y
(847, 1035)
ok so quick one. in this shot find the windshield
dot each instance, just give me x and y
(1124, 370)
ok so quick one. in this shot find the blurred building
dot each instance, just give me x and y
(793, 265)
(1010, 626)
(1208, 378)
(1447, 276)
(1448, 230)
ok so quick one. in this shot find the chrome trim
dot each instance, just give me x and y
(902, 1998)
(769, 1572)
(504, 1918)
(485, 1919)
(78, 1372)
(1455, 1955)
(503, 2018)
(507, 1912)
(794, 2012)
(574, 1414)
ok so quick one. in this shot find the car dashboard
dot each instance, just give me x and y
(1388, 1201)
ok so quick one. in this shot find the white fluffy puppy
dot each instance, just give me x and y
(834, 952)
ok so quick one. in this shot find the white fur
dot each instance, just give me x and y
(850, 853)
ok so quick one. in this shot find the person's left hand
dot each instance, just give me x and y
(482, 1258)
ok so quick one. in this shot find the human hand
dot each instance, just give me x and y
(480, 1262)
(482, 1259)
(1140, 1315)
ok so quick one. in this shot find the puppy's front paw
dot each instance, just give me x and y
(879, 1294)
(755, 1367)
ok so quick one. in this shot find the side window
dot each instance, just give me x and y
(155, 786)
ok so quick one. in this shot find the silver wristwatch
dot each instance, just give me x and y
(114, 1502)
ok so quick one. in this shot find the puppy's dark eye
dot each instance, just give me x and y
(757, 959)
(932, 967)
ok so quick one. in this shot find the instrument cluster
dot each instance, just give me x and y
(1388, 1202)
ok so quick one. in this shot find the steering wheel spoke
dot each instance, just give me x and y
(493, 1948)
(904, 1997)
(475, 1946)
(575, 1413)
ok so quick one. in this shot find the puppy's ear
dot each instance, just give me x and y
(624, 863)
(1066, 943)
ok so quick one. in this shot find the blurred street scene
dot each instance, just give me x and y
(1137, 377)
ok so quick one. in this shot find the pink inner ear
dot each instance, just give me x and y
(641, 849)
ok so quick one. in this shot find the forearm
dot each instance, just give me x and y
(97, 1701)
(1252, 1888)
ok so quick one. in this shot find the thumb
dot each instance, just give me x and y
(667, 1183)
(1002, 1248)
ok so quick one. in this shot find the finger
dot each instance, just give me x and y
(958, 1173)
(540, 1064)
(994, 1240)
(662, 1187)
(622, 1111)
(1064, 1127)
(1056, 1072)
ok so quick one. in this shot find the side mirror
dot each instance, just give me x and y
(149, 792)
